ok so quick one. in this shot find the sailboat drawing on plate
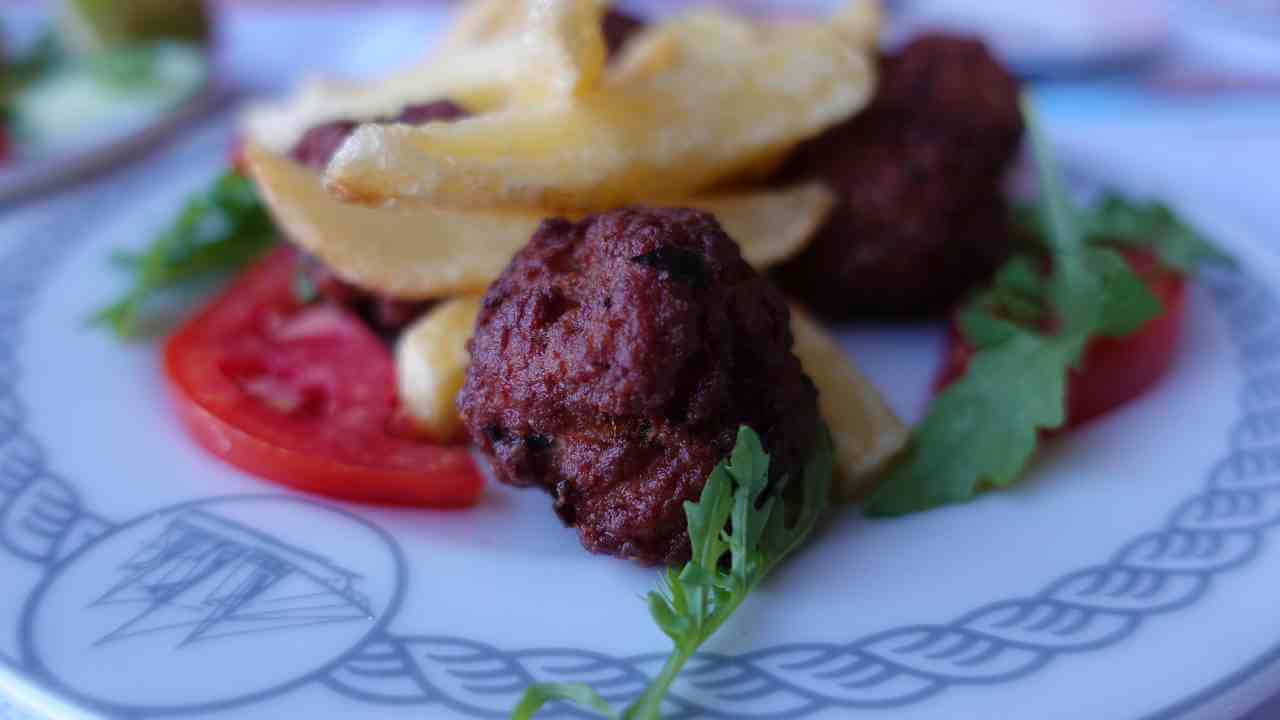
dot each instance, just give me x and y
(205, 577)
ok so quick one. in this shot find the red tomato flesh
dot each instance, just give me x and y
(1114, 371)
(305, 396)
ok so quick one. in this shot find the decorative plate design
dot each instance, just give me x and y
(225, 581)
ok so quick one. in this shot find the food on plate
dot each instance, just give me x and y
(619, 27)
(217, 231)
(424, 253)
(613, 363)
(317, 145)
(304, 394)
(1036, 331)
(500, 53)
(431, 364)
(483, 21)
(431, 360)
(557, 252)
(1112, 371)
(668, 133)
(384, 314)
(91, 26)
(922, 217)
(738, 532)
(865, 434)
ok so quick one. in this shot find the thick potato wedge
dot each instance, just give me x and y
(431, 364)
(862, 21)
(480, 22)
(546, 49)
(733, 96)
(866, 433)
(416, 254)
(770, 226)
(565, 50)
(422, 253)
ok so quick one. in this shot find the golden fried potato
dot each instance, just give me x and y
(480, 22)
(730, 96)
(861, 21)
(866, 433)
(565, 49)
(423, 253)
(431, 364)
(552, 48)
(771, 226)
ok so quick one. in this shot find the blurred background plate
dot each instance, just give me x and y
(69, 125)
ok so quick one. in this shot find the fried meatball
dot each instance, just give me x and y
(919, 174)
(619, 27)
(386, 315)
(613, 363)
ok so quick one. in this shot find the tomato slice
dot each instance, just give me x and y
(305, 396)
(1114, 371)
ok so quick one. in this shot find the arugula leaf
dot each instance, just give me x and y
(217, 231)
(736, 517)
(1127, 302)
(982, 431)
(128, 66)
(1117, 220)
(43, 57)
(304, 288)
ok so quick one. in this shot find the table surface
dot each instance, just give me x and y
(1188, 122)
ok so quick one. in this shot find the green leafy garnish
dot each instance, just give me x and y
(1118, 220)
(130, 66)
(304, 288)
(90, 26)
(43, 57)
(983, 430)
(738, 532)
(217, 231)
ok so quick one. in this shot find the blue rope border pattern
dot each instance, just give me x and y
(41, 517)
(42, 521)
(1217, 530)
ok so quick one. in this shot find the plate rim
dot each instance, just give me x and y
(47, 260)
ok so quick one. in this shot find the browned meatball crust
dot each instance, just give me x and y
(919, 173)
(618, 28)
(614, 361)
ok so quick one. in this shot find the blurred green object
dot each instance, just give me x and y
(91, 26)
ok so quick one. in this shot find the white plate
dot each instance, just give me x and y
(1128, 577)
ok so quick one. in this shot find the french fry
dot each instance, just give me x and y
(732, 96)
(431, 364)
(552, 48)
(565, 50)
(866, 433)
(861, 21)
(422, 253)
(480, 22)
(416, 254)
